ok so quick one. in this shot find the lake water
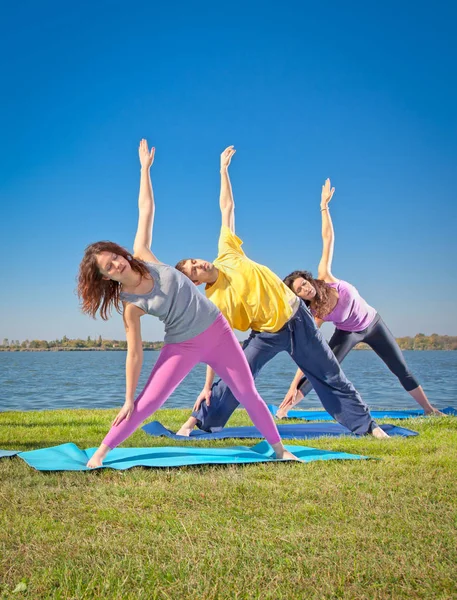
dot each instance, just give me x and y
(51, 380)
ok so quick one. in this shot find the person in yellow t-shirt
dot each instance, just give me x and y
(251, 296)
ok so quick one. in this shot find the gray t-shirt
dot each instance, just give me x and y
(176, 301)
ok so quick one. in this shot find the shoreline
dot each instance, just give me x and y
(60, 349)
(74, 349)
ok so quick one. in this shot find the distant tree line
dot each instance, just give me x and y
(75, 344)
(423, 342)
(419, 342)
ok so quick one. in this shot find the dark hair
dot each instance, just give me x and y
(94, 291)
(322, 300)
(180, 265)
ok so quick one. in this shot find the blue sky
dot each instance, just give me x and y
(364, 94)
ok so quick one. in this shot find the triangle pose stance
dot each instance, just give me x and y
(252, 297)
(337, 301)
(195, 329)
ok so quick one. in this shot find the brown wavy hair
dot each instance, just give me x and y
(321, 303)
(96, 293)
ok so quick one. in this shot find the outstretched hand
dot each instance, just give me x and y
(146, 157)
(327, 193)
(226, 156)
(125, 413)
(289, 400)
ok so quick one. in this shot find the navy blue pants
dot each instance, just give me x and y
(379, 337)
(306, 345)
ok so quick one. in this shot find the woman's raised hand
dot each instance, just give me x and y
(226, 157)
(146, 157)
(327, 193)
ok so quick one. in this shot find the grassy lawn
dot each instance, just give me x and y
(356, 529)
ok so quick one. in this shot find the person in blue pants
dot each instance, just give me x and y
(251, 296)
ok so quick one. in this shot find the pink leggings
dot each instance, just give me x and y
(218, 347)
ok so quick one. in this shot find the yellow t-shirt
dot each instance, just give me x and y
(249, 295)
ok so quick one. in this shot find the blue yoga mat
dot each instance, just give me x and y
(287, 432)
(4, 453)
(321, 415)
(68, 457)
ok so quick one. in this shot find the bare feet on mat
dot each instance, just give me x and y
(282, 454)
(98, 457)
(286, 455)
(187, 427)
(378, 433)
(185, 431)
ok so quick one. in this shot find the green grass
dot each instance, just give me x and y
(363, 529)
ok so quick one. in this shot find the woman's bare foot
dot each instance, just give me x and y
(185, 431)
(283, 454)
(98, 457)
(188, 427)
(286, 455)
(378, 433)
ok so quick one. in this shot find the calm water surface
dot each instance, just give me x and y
(51, 380)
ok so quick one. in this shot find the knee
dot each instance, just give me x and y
(408, 381)
(405, 377)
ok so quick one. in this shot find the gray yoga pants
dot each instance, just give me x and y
(378, 336)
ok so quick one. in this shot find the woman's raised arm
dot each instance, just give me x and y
(146, 207)
(226, 195)
(324, 270)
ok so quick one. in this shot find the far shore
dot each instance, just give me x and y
(73, 349)
(158, 349)
(419, 342)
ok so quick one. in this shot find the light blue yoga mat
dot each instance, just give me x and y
(321, 415)
(68, 457)
(287, 432)
(5, 453)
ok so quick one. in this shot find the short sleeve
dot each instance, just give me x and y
(229, 243)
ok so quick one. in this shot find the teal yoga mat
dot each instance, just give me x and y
(68, 457)
(321, 415)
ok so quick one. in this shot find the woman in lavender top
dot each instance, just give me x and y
(337, 301)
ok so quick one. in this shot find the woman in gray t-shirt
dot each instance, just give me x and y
(195, 330)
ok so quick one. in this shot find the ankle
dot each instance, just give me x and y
(102, 451)
(278, 449)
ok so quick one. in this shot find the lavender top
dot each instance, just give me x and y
(351, 312)
(176, 301)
